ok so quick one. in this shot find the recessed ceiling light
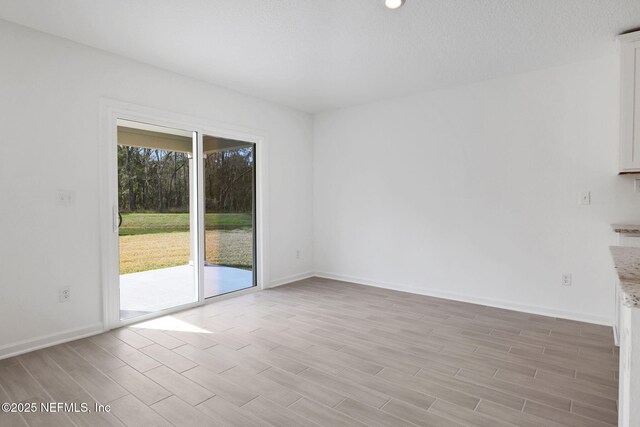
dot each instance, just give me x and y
(393, 4)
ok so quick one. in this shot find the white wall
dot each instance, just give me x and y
(472, 192)
(49, 138)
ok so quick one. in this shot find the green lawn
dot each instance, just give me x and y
(152, 251)
(152, 241)
(154, 223)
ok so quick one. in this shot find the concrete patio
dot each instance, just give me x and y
(155, 290)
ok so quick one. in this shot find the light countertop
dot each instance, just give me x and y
(627, 262)
(626, 228)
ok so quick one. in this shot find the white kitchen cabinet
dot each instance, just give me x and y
(629, 385)
(631, 239)
(627, 262)
(629, 102)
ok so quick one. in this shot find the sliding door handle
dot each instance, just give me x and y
(115, 219)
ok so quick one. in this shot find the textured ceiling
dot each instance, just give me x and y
(317, 55)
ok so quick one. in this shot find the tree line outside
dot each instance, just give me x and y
(153, 195)
(157, 181)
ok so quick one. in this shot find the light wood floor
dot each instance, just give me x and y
(321, 352)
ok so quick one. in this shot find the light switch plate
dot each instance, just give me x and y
(585, 198)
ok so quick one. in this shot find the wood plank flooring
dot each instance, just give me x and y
(325, 353)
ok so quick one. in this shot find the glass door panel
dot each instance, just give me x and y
(156, 180)
(229, 192)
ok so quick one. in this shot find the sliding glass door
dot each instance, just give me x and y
(186, 217)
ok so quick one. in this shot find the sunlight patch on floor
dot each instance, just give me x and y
(170, 323)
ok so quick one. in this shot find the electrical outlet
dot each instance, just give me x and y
(297, 253)
(585, 198)
(566, 279)
(65, 294)
(65, 197)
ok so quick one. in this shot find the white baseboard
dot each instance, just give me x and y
(14, 349)
(289, 279)
(509, 305)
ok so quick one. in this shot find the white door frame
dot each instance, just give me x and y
(112, 110)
